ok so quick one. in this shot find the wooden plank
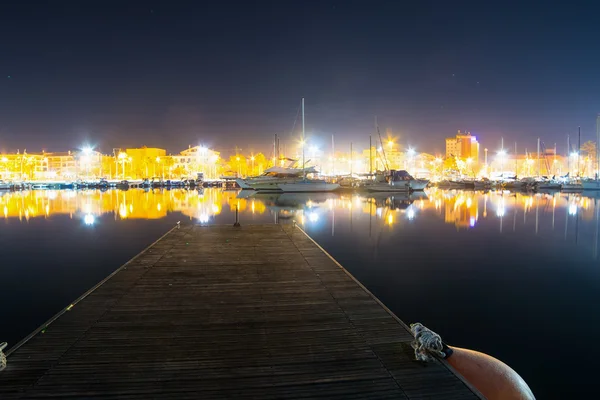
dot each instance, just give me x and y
(219, 312)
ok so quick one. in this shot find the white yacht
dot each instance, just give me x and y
(308, 185)
(274, 176)
(5, 185)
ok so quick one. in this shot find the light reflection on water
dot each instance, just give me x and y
(484, 269)
(463, 209)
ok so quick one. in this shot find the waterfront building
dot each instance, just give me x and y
(464, 146)
(144, 162)
(193, 160)
(62, 165)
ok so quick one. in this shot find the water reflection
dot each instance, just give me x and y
(465, 210)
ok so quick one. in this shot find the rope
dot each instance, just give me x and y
(427, 343)
(2, 356)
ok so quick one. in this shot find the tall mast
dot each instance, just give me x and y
(503, 156)
(597, 144)
(554, 162)
(303, 166)
(382, 145)
(351, 160)
(516, 165)
(578, 149)
(539, 162)
(275, 155)
(568, 153)
(332, 156)
(370, 156)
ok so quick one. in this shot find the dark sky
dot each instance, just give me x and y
(229, 73)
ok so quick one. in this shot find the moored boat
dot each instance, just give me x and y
(308, 185)
(591, 184)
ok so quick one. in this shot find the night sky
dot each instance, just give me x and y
(227, 73)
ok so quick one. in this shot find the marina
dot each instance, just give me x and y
(489, 243)
(276, 317)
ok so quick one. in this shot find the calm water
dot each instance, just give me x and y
(515, 276)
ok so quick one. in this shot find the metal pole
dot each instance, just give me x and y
(351, 160)
(569, 153)
(370, 156)
(303, 144)
(332, 156)
(578, 150)
(539, 162)
(237, 218)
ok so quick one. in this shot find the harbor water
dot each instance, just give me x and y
(514, 275)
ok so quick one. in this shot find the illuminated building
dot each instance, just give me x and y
(62, 164)
(463, 145)
(197, 159)
(144, 162)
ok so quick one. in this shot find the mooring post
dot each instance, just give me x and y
(2, 356)
(237, 218)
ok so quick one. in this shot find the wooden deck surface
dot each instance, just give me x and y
(220, 312)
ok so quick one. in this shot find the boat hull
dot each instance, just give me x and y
(243, 184)
(418, 184)
(308, 187)
(591, 185)
(386, 187)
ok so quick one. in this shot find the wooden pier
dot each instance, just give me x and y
(256, 312)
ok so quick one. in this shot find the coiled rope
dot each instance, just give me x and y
(2, 356)
(427, 344)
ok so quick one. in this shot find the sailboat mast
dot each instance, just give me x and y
(597, 144)
(568, 153)
(578, 149)
(275, 151)
(370, 156)
(554, 162)
(516, 164)
(303, 166)
(351, 160)
(332, 156)
(382, 146)
(539, 161)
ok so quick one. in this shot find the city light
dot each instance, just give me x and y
(89, 219)
(411, 152)
(501, 153)
(87, 150)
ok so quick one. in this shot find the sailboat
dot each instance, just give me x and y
(304, 184)
(390, 180)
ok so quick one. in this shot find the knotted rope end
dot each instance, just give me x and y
(427, 344)
(2, 356)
